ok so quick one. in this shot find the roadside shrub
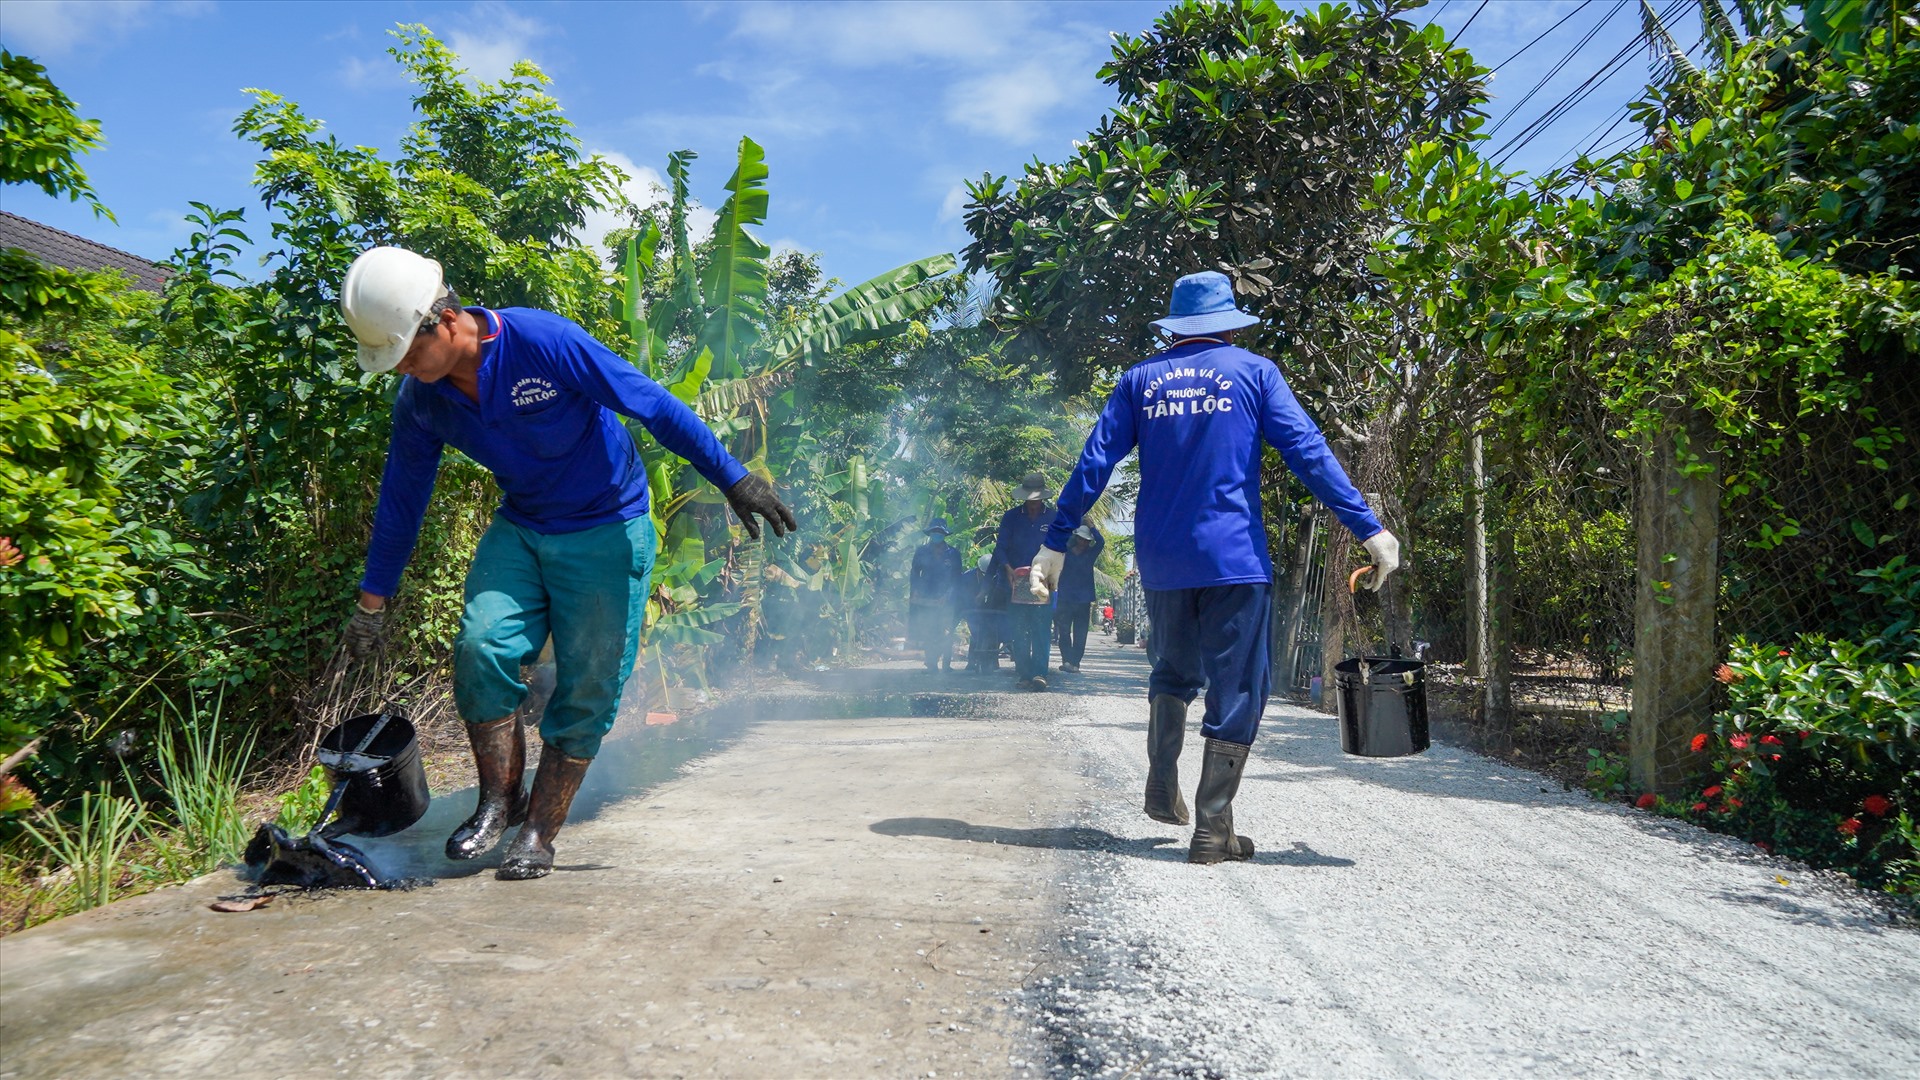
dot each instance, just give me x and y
(1817, 755)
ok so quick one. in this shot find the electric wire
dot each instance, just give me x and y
(1562, 21)
(1580, 93)
(1557, 67)
(1470, 18)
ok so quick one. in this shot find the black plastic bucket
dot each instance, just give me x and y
(1383, 706)
(385, 785)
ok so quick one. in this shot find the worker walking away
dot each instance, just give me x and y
(930, 596)
(1197, 412)
(536, 400)
(983, 598)
(1029, 614)
(1073, 597)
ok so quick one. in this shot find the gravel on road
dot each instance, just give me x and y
(1447, 915)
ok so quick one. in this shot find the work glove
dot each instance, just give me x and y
(1384, 550)
(1045, 574)
(752, 495)
(363, 630)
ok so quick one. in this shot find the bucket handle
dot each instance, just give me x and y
(1353, 579)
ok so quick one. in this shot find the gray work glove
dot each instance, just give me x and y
(752, 495)
(364, 630)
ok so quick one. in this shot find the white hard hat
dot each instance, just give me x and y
(387, 294)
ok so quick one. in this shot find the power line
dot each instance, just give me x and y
(1586, 88)
(1470, 18)
(1557, 67)
(1543, 34)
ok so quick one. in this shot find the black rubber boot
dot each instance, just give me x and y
(555, 783)
(1166, 730)
(500, 759)
(1213, 837)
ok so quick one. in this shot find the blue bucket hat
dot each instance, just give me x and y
(937, 525)
(1203, 304)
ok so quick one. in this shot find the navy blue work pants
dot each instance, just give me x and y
(1030, 634)
(1214, 637)
(1070, 621)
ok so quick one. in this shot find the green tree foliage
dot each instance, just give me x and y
(1246, 140)
(74, 389)
(1741, 284)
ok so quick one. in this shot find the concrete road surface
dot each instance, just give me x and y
(905, 874)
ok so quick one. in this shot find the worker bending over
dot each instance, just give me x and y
(537, 401)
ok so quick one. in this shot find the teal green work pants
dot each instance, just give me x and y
(589, 590)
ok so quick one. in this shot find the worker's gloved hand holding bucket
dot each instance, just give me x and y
(1382, 699)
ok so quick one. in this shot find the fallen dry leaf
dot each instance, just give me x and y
(245, 904)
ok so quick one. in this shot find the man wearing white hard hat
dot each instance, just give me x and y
(1198, 413)
(536, 400)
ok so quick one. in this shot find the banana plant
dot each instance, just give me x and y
(729, 370)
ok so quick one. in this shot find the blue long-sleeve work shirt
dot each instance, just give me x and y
(1198, 412)
(545, 425)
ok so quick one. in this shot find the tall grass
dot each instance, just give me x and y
(201, 774)
(91, 847)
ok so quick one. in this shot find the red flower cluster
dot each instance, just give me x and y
(1699, 743)
(1877, 805)
(1711, 792)
(1740, 741)
(1699, 808)
(1850, 826)
(1647, 801)
(1725, 674)
(1771, 740)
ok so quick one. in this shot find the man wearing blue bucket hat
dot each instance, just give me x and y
(536, 400)
(1198, 412)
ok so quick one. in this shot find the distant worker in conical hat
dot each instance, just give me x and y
(538, 402)
(1198, 412)
(937, 567)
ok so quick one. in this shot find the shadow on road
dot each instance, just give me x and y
(1081, 838)
(1072, 838)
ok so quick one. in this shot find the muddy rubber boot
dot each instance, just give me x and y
(1166, 730)
(500, 759)
(1213, 837)
(554, 784)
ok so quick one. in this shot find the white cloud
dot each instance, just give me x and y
(643, 187)
(1009, 103)
(503, 38)
(1004, 67)
(51, 28)
(954, 204)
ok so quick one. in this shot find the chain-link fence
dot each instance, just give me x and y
(1539, 561)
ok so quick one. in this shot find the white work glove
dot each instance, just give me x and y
(1047, 564)
(1384, 550)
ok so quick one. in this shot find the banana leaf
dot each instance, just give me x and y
(877, 308)
(735, 285)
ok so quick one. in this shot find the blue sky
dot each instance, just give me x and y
(872, 114)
